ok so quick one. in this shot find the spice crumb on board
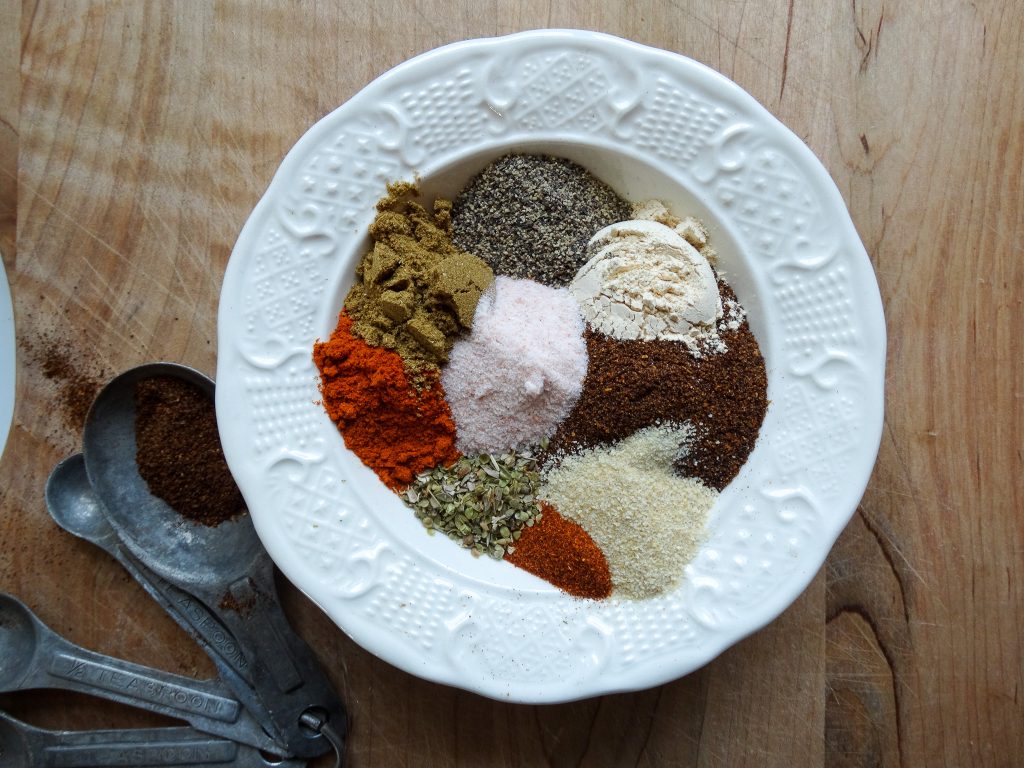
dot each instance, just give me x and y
(229, 602)
(73, 372)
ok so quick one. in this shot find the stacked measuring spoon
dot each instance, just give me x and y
(271, 693)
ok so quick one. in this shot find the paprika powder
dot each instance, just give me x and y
(397, 430)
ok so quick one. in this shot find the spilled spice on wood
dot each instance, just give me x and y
(73, 373)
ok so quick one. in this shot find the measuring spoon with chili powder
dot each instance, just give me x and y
(219, 561)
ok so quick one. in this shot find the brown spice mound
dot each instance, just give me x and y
(635, 384)
(558, 550)
(178, 451)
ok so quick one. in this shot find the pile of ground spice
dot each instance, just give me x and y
(178, 451)
(642, 445)
(635, 384)
(521, 369)
(482, 502)
(415, 291)
(559, 551)
(531, 216)
(646, 519)
(397, 430)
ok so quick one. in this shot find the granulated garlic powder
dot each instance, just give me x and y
(648, 521)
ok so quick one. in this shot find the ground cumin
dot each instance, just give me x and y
(414, 291)
(635, 384)
(559, 551)
(178, 451)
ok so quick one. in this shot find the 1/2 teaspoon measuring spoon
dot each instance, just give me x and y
(73, 505)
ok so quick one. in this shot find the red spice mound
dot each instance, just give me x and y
(396, 430)
(558, 550)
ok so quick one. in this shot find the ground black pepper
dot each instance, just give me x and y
(178, 451)
(531, 216)
(634, 384)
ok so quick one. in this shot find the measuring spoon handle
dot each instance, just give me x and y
(68, 492)
(213, 637)
(286, 673)
(166, 747)
(205, 704)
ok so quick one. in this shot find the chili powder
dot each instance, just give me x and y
(396, 429)
(178, 451)
(635, 384)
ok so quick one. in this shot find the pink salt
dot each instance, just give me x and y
(520, 371)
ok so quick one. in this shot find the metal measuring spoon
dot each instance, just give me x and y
(34, 656)
(221, 565)
(73, 505)
(25, 746)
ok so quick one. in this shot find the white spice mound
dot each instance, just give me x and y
(689, 228)
(644, 280)
(648, 521)
(520, 371)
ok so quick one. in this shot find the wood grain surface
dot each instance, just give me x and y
(136, 137)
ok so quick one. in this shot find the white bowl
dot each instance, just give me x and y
(652, 124)
(7, 357)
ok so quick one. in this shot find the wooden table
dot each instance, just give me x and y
(140, 135)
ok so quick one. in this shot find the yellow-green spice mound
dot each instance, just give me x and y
(415, 292)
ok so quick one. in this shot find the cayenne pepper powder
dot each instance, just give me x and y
(558, 550)
(178, 451)
(396, 429)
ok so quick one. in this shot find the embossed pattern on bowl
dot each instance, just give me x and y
(653, 124)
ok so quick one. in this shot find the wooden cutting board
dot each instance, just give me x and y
(135, 138)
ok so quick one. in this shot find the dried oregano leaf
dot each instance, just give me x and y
(482, 502)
